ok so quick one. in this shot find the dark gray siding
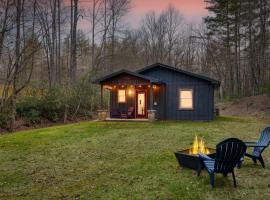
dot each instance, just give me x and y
(203, 95)
(159, 98)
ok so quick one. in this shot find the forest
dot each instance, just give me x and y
(48, 57)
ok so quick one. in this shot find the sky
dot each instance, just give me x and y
(192, 10)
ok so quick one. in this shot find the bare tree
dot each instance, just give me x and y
(23, 55)
(4, 22)
(173, 21)
(73, 41)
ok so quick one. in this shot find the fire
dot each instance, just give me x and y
(198, 147)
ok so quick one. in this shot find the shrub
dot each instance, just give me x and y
(53, 104)
(266, 88)
(59, 103)
(29, 108)
(5, 117)
(83, 99)
(33, 117)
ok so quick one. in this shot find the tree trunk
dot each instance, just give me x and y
(93, 33)
(59, 42)
(16, 67)
(73, 41)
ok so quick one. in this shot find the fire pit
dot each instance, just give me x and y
(189, 157)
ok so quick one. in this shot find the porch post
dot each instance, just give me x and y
(151, 111)
(151, 98)
(101, 96)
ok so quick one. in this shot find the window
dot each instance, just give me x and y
(186, 99)
(121, 96)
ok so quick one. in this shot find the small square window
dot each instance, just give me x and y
(121, 96)
(186, 99)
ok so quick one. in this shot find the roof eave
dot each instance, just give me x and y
(213, 81)
(106, 77)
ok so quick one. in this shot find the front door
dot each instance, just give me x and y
(141, 104)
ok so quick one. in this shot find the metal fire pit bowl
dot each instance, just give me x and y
(192, 161)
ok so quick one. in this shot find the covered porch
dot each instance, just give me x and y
(132, 96)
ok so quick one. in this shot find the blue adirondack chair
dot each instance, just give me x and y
(259, 146)
(228, 154)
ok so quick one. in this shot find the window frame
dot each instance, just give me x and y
(179, 98)
(118, 96)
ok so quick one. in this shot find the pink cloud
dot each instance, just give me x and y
(192, 10)
(187, 7)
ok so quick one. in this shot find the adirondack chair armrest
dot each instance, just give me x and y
(255, 145)
(204, 157)
(261, 146)
(250, 144)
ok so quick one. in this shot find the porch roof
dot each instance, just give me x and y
(124, 71)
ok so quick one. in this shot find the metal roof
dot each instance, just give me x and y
(213, 81)
(139, 74)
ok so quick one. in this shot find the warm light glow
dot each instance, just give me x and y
(186, 99)
(121, 96)
(141, 103)
(154, 86)
(198, 147)
(130, 92)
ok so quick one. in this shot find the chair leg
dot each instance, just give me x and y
(261, 161)
(199, 172)
(199, 169)
(254, 160)
(252, 157)
(234, 180)
(239, 164)
(212, 179)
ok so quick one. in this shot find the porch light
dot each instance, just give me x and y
(130, 91)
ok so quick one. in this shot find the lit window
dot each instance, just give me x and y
(121, 96)
(186, 99)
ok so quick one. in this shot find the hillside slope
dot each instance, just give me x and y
(254, 106)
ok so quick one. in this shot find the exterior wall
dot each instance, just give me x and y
(203, 95)
(159, 99)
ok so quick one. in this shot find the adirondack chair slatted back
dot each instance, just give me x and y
(228, 154)
(263, 141)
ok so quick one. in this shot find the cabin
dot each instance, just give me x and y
(159, 92)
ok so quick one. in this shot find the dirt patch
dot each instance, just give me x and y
(254, 106)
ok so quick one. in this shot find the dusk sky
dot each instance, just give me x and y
(192, 10)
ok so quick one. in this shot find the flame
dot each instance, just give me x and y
(198, 147)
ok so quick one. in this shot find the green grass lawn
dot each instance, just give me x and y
(121, 160)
